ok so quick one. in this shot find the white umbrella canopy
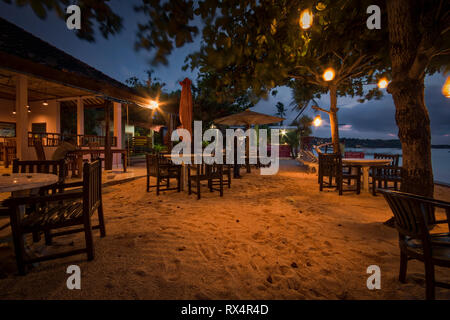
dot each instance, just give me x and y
(248, 118)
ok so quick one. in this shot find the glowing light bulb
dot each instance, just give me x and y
(306, 19)
(446, 88)
(153, 104)
(329, 74)
(317, 121)
(383, 83)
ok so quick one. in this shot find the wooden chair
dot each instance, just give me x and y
(382, 176)
(64, 210)
(393, 157)
(212, 173)
(39, 148)
(352, 154)
(414, 218)
(330, 165)
(95, 154)
(163, 170)
(9, 152)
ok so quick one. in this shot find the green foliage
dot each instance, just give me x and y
(154, 89)
(281, 111)
(157, 148)
(208, 105)
(96, 14)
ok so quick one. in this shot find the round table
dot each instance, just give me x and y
(22, 184)
(365, 165)
(15, 182)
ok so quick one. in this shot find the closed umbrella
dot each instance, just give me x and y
(186, 105)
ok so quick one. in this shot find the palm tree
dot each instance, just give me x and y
(281, 111)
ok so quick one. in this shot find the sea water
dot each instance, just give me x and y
(440, 159)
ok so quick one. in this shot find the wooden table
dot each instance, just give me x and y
(16, 182)
(81, 152)
(22, 184)
(365, 164)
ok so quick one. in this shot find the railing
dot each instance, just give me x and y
(328, 147)
(53, 139)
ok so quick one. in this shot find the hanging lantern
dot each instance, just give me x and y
(446, 88)
(383, 83)
(306, 19)
(328, 74)
(317, 121)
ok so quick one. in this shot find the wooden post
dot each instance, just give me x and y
(108, 153)
(22, 117)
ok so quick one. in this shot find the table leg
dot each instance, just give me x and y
(124, 160)
(80, 165)
(365, 172)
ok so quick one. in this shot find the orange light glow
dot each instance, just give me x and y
(329, 74)
(153, 104)
(306, 19)
(446, 88)
(317, 121)
(383, 83)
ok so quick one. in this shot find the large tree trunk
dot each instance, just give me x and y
(407, 89)
(333, 119)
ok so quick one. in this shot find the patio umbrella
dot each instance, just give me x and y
(186, 105)
(247, 118)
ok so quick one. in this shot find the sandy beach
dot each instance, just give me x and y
(269, 237)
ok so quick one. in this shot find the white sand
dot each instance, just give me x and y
(269, 237)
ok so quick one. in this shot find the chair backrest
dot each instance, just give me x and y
(357, 155)
(393, 157)
(413, 215)
(330, 164)
(92, 146)
(92, 186)
(57, 167)
(39, 148)
(155, 161)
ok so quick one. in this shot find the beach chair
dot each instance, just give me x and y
(414, 219)
(65, 212)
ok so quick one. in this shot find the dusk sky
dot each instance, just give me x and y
(117, 58)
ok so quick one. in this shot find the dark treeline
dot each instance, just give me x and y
(371, 143)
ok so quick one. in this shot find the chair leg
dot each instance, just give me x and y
(101, 221)
(403, 267)
(358, 184)
(88, 238)
(36, 236)
(374, 187)
(229, 177)
(19, 251)
(158, 182)
(429, 279)
(198, 185)
(48, 238)
(148, 183)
